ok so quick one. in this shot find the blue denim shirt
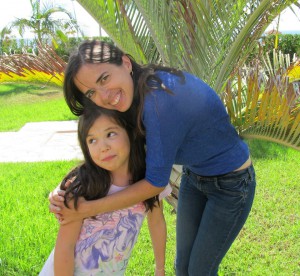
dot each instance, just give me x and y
(189, 127)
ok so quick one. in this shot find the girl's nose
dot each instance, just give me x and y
(104, 147)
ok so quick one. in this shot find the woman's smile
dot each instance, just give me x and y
(107, 85)
(115, 99)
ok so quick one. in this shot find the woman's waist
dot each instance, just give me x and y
(245, 165)
(220, 168)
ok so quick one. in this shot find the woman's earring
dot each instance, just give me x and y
(131, 73)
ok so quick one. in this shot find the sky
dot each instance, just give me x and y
(13, 9)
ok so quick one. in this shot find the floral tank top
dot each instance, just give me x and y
(105, 243)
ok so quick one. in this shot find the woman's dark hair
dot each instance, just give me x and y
(93, 52)
(91, 181)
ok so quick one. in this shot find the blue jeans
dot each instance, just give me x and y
(211, 212)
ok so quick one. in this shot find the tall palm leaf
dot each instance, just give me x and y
(206, 37)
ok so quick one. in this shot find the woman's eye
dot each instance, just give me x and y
(104, 79)
(89, 93)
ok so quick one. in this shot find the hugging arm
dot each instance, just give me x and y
(138, 192)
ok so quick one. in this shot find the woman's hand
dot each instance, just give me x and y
(56, 199)
(70, 214)
(63, 213)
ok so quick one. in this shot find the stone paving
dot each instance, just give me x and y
(41, 141)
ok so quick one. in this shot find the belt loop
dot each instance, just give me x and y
(187, 171)
(250, 173)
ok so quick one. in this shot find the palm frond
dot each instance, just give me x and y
(44, 67)
(110, 15)
(265, 107)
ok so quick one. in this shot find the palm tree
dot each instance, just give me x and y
(44, 25)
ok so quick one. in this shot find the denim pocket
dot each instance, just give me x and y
(238, 188)
(236, 183)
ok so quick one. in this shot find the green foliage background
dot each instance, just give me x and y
(287, 44)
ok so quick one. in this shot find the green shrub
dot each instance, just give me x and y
(64, 49)
(16, 46)
(19, 46)
(287, 44)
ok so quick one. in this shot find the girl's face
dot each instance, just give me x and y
(109, 146)
(107, 85)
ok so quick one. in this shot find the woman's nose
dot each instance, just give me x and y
(102, 96)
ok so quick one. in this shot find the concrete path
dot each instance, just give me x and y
(42, 141)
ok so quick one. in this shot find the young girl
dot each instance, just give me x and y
(185, 123)
(114, 159)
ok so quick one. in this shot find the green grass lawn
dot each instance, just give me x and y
(28, 230)
(269, 244)
(22, 103)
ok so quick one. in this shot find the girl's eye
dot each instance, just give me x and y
(91, 141)
(111, 134)
(89, 93)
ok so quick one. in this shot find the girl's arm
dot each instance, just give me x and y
(65, 248)
(158, 232)
(138, 192)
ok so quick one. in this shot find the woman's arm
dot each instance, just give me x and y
(158, 232)
(65, 248)
(138, 192)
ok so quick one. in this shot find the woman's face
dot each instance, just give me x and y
(109, 146)
(107, 85)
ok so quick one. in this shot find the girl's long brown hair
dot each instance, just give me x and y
(91, 181)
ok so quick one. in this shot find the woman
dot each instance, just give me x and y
(184, 122)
